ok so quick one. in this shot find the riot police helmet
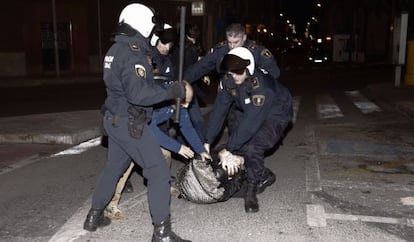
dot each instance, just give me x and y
(139, 17)
(237, 60)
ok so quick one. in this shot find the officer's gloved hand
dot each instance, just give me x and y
(205, 156)
(229, 162)
(186, 152)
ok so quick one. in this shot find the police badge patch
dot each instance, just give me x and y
(258, 100)
(140, 71)
(255, 83)
(266, 53)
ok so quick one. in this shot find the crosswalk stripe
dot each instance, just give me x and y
(361, 102)
(327, 108)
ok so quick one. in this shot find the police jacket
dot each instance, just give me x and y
(129, 79)
(260, 100)
(262, 56)
(163, 114)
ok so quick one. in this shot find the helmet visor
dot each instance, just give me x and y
(233, 63)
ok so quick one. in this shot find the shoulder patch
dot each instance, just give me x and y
(219, 45)
(252, 45)
(134, 47)
(255, 83)
(140, 71)
(258, 100)
(266, 53)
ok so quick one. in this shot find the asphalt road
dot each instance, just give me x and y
(342, 176)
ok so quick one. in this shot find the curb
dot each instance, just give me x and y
(58, 138)
(68, 128)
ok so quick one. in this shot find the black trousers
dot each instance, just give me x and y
(146, 153)
(254, 150)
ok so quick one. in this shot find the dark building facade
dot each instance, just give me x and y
(83, 29)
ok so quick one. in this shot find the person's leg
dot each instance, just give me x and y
(253, 152)
(117, 163)
(112, 210)
(157, 173)
(197, 119)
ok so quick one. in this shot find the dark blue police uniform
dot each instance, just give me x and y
(267, 109)
(131, 93)
(262, 56)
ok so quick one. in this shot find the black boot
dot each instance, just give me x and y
(268, 178)
(163, 233)
(251, 204)
(95, 219)
(128, 187)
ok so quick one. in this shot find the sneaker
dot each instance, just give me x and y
(115, 213)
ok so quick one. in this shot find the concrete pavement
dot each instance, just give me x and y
(71, 128)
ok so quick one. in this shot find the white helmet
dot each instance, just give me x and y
(139, 17)
(155, 36)
(244, 54)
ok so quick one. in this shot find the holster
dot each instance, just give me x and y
(136, 121)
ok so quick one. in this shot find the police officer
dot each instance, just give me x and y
(131, 93)
(267, 109)
(235, 37)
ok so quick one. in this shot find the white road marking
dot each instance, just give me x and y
(80, 148)
(73, 228)
(312, 165)
(408, 201)
(362, 103)
(19, 164)
(365, 185)
(316, 217)
(327, 108)
(70, 151)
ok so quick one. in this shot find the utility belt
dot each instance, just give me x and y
(137, 119)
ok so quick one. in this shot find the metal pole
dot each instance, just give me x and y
(55, 37)
(181, 62)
